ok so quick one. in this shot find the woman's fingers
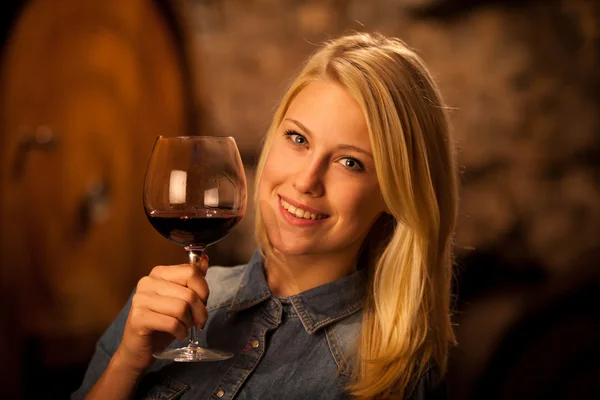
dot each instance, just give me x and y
(204, 264)
(145, 322)
(170, 306)
(184, 275)
(196, 305)
(195, 297)
(166, 303)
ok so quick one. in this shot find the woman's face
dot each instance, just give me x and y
(318, 192)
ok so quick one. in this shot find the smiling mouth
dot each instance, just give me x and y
(300, 213)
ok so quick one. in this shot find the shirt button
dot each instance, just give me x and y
(220, 393)
(255, 344)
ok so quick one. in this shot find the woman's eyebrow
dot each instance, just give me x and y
(299, 124)
(357, 149)
(341, 146)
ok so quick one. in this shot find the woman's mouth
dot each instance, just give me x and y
(300, 213)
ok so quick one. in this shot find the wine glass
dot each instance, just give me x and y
(194, 194)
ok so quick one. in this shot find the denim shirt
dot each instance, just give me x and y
(297, 347)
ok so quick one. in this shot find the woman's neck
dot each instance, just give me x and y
(288, 275)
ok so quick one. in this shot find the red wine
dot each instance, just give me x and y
(197, 228)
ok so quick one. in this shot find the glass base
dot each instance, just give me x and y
(193, 354)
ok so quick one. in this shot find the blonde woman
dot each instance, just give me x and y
(348, 295)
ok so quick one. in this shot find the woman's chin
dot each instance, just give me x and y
(292, 250)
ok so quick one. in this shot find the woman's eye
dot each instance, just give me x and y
(297, 138)
(351, 163)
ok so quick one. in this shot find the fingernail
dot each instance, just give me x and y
(204, 257)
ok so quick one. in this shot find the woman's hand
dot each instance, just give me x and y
(166, 304)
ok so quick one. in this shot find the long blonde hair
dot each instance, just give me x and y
(406, 326)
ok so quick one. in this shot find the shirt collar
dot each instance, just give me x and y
(317, 307)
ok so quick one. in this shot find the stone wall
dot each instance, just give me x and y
(522, 79)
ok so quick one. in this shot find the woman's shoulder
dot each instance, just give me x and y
(342, 337)
(223, 283)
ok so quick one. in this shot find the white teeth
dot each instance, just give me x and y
(300, 213)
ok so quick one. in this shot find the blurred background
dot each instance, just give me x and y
(85, 87)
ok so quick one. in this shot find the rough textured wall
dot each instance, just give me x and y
(522, 78)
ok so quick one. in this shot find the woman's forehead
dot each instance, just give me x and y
(327, 109)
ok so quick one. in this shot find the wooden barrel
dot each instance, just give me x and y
(85, 87)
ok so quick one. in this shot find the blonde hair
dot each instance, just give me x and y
(406, 327)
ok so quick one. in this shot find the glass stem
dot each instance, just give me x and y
(195, 253)
(193, 338)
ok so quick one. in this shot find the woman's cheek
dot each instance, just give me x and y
(279, 165)
(359, 202)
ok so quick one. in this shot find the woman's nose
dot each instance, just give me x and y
(309, 178)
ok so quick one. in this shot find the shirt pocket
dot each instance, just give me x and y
(154, 387)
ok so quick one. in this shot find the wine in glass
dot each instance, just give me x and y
(194, 194)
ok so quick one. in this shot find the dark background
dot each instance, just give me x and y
(85, 87)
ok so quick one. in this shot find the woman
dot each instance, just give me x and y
(349, 293)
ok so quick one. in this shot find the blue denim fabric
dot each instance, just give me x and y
(304, 342)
